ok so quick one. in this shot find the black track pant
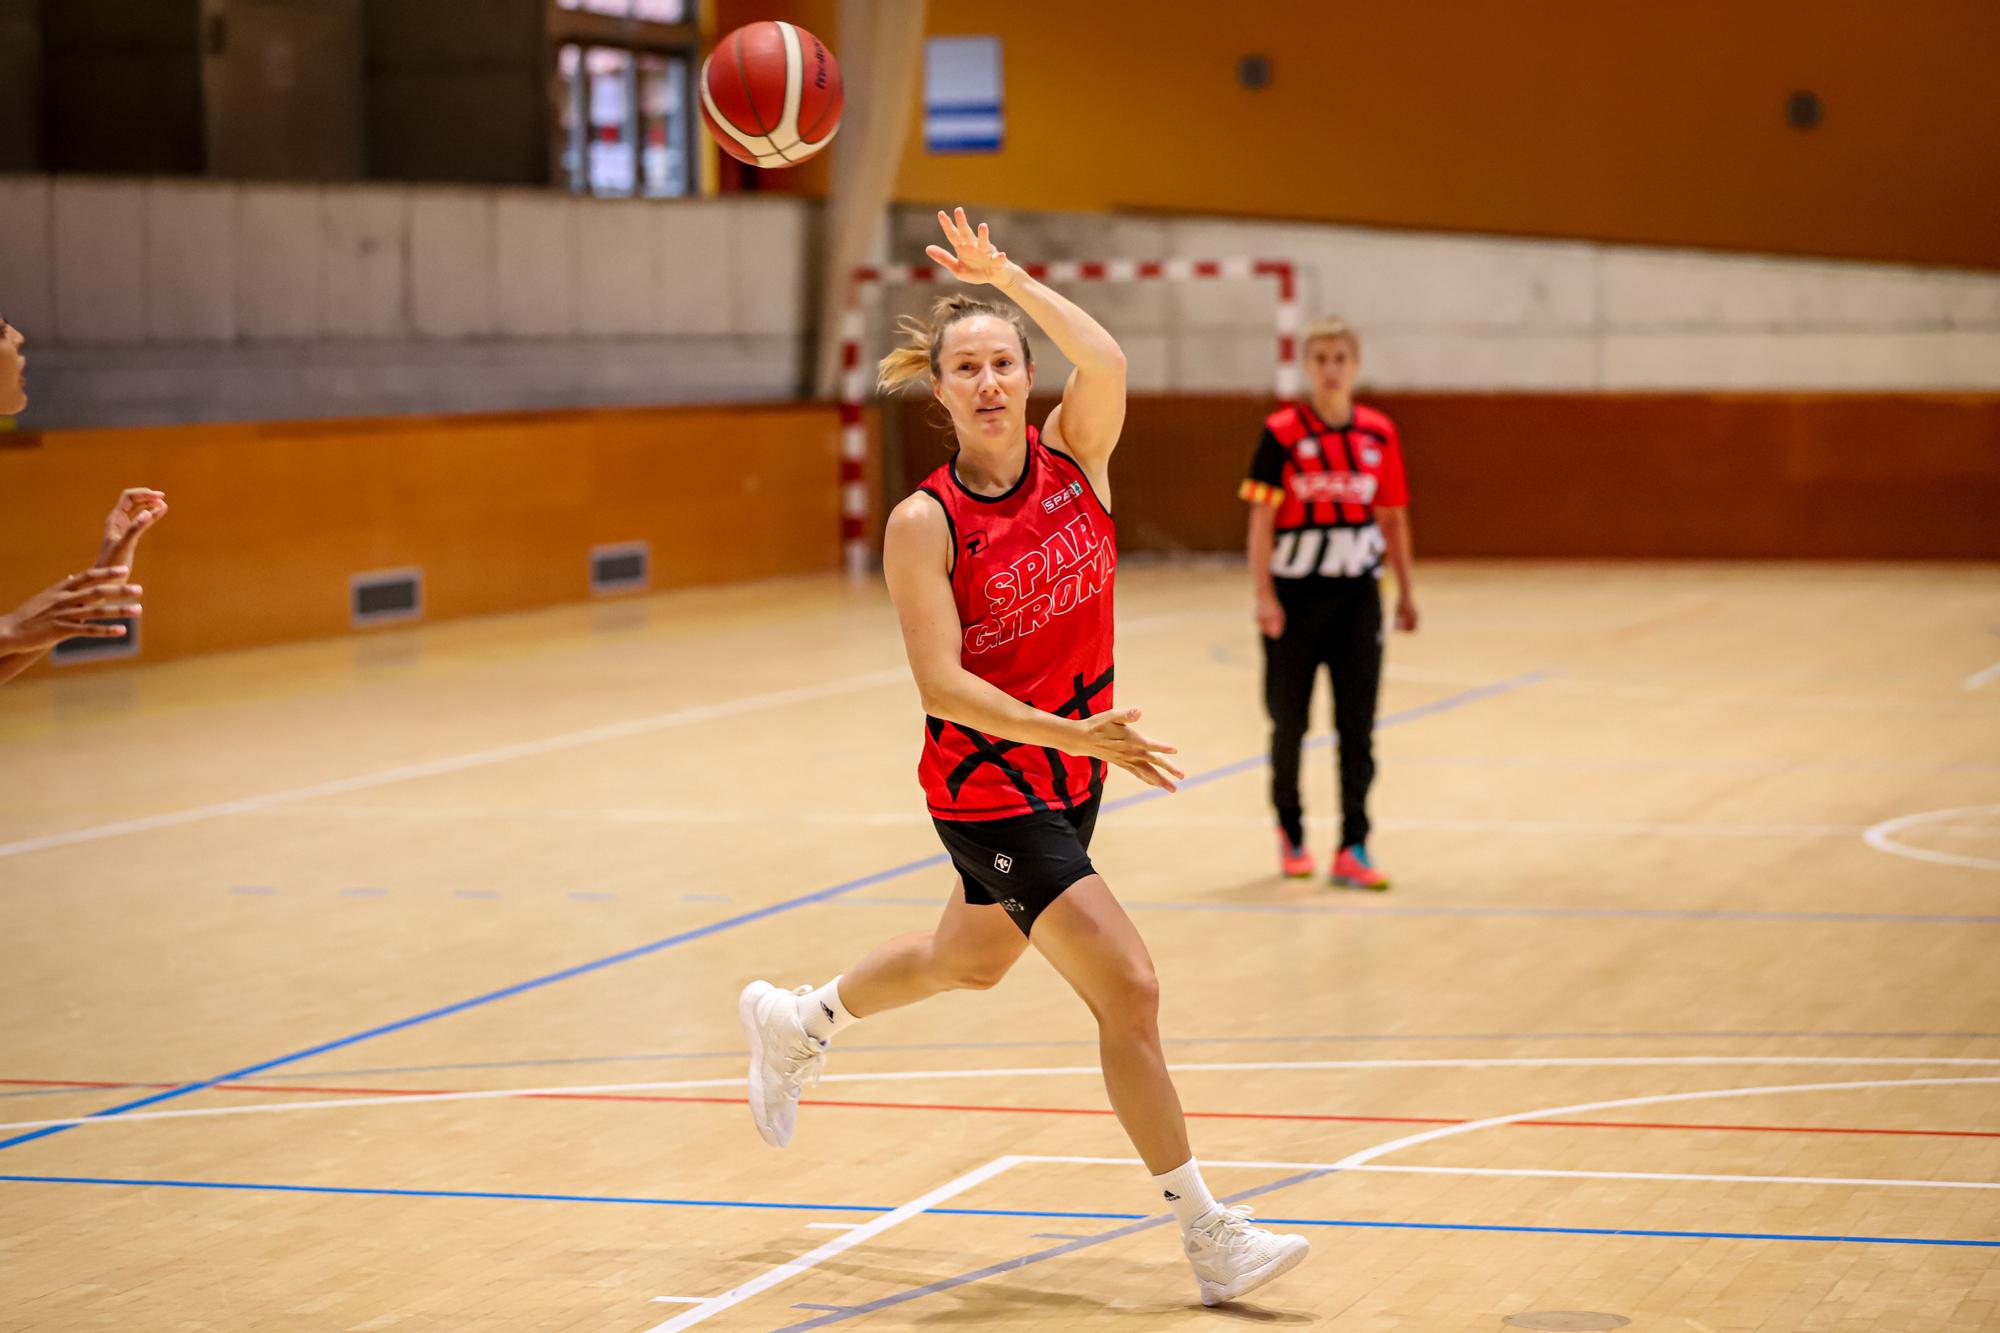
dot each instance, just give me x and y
(1336, 623)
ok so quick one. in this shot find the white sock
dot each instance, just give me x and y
(1185, 1192)
(823, 1013)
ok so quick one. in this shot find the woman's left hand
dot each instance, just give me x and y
(138, 508)
(973, 257)
(1406, 615)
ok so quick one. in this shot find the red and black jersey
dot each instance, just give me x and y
(1326, 483)
(1031, 572)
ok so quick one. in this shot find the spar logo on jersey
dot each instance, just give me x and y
(1061, 498)
(1333, 487)
(1055, 578)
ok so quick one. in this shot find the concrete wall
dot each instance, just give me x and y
(156, 301)
(1447, 312)
(152, 302)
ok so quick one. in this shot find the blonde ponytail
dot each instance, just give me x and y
(917, 358)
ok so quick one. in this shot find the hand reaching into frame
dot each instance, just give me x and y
(973, 258)
(71, 609)
(136, 510)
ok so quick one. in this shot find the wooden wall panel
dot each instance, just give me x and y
(269, 521)
(1859, 476)
(1650, 123)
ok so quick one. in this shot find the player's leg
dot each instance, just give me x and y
(789, 1031)
(971, 948)
(1291, 663)
(1090, 940)
(1355, 659)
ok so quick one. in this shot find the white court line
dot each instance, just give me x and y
(1605, 828)
(641, 726)
(600, 815)
(839, 1244)
(766, 1281)
(1788, 699)
(1367, 1155)
(1560, 1175)
(499, 754)
(1979, 678)
(1048, 1071)
(1878, 838)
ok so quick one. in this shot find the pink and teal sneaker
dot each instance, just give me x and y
(1294, 861)
(1353, 870)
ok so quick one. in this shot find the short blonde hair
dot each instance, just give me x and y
(1330, 327)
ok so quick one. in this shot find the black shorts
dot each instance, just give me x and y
(1022, 863)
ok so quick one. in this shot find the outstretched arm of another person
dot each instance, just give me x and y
(72, 608)
(69, 609)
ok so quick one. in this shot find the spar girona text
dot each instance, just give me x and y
(1068, 569)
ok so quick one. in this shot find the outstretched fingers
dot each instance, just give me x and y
(100, 575)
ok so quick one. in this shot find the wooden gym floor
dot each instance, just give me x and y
(398, 976)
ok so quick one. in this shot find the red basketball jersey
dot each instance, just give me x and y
(1326, 483)
(1031, 572)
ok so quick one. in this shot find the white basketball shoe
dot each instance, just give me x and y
(1232, 1258)
(784, 1058)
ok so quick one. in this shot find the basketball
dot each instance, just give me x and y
(770, 93)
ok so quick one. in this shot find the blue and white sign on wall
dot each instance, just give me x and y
(962, 94)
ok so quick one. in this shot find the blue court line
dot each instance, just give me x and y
(382, 1192)
(1395, 719)
(744, 918)
(505, 992)
(1148, 1220)
(1372, 909)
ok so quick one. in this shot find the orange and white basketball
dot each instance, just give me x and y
(771, 94)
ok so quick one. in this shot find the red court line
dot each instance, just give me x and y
(1035, 1110)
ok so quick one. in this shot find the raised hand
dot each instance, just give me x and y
(973, 257)
(137, 509)
(71, 609)
(1110, 737)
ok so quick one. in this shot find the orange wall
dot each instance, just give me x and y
(269, 521)
(1639, 122)
(1688, 475)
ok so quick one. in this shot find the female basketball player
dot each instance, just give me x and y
(1327, 499)
(1000, 567)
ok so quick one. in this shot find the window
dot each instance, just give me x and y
(626, 86)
